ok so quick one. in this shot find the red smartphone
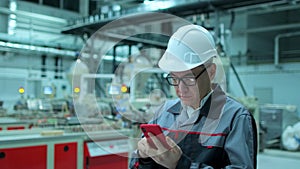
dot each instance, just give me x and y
(155, 130)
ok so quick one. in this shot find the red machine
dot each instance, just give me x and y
(106, 154)
(25, 150)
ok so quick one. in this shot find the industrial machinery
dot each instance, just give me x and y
(274, 119)
(50, 133)
(56, 149)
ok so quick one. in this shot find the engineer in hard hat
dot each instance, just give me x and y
(204, 127)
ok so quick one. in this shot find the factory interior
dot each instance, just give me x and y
(78, 77)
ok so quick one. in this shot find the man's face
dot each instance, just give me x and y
(191, 95)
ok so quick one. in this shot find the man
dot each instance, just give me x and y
(204, 127)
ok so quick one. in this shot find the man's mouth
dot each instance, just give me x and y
(184, 97)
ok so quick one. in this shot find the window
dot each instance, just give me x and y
(72, 5)
(33, 1)
(54, 3)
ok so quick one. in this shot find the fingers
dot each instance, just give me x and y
(163, 156)
(170, 142)
(157, 142)
(142, 148)
(145, 150)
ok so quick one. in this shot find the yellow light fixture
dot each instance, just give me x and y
(76, 90)
(124, 89)
(21, 90)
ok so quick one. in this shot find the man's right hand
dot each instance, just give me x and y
(163, 156)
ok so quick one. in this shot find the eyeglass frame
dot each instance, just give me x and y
(181, 79)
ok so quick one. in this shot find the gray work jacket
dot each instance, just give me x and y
(222, 134)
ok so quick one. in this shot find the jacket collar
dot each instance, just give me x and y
(176, 108)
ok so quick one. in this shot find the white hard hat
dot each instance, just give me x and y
(189, 47)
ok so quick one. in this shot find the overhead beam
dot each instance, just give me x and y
(180, 9)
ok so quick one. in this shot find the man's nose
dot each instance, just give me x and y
(182, 86)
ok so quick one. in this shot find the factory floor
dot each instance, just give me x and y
(278, 159)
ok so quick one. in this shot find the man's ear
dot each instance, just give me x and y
(212, 71)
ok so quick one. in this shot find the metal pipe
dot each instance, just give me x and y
(276, 43)
(37, 49)
(273, 28)
(114, 62)
(134, 39)
(34, 15)
(239, 80)
(28, 41)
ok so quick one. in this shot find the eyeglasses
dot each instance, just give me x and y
(188, 80)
